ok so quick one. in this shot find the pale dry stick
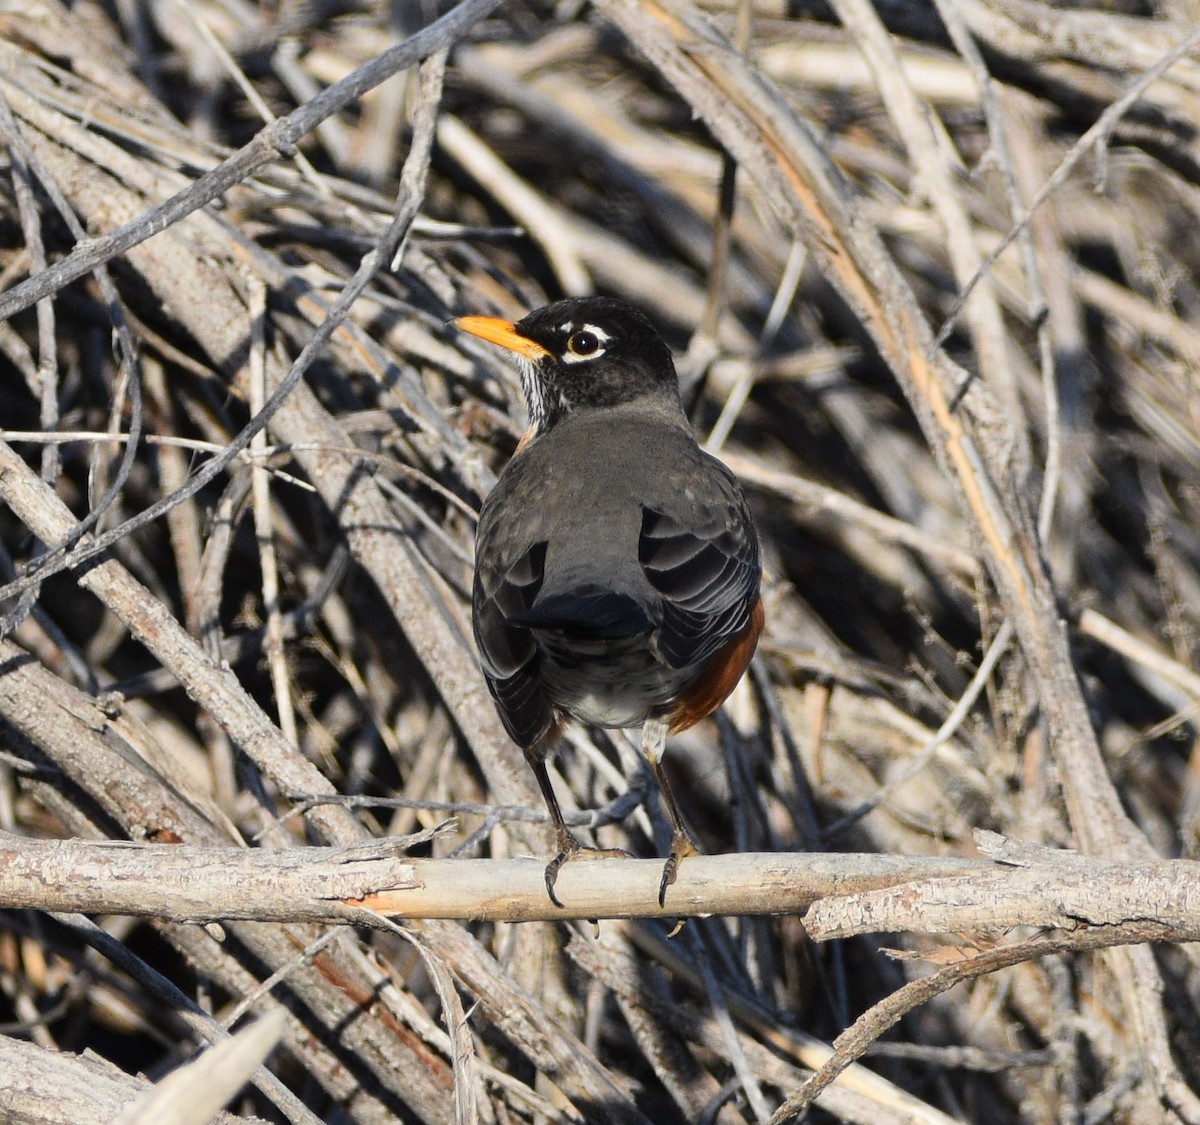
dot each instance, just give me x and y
(183, 1007)
(275, 140)
(264, 529)
(427, 775)
(45, 563)
(731, 409)
(266, 986)
(840, 67)
(55, 1088)
(1104, 40)
(785, 293)
(1097, 135)
(1127, 307)
(818, 498)
(928, 153)
(948, 729)
(966, 46)
(537, 214)
(1031, 885)
(860, 1095)
(203, 609)
(183, 882)
(47, 365)
(1112, 636)
(211, 685)
(523, 1018)
(315, 180)
(58, 437)
(856, 1039)
(748, 117)
(201, 192)
(468, 1086)
(193, 1093)
(747, 1080)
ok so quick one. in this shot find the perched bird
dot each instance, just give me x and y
(616, 563)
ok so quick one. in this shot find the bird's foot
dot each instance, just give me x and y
(682, 846)
(570, 848)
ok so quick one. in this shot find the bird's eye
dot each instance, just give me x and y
(583, 343)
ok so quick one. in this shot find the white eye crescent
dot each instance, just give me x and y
(585, 343)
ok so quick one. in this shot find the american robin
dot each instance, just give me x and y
(616, 563)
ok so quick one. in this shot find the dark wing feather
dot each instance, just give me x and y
(589, 613)
(707, 572)
(507, 650)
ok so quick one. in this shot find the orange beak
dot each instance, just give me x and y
(502, 332)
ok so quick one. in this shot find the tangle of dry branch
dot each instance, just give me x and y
(931, 273)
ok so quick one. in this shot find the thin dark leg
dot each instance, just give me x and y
(568, 846)
(654, 741)
(563, 840)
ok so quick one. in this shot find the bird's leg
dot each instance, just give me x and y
(568, 846)
(562, 834)
(563, 839)
(654, 742)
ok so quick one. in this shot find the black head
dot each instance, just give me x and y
(583, 353)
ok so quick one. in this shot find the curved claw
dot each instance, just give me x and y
(682, 846)
(552, 869)
(570, 849)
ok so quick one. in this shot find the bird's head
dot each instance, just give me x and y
(581, 354)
